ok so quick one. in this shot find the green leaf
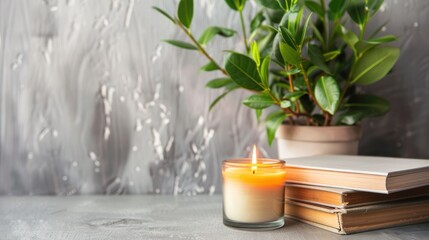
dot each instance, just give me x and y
(380, 40)
(219, 82)
(217, 100)
(285, 104)
(165, 14)
(289, 54)
(293, 96)
(378, 29)
(185, 12)
(327, 94)
(289, 5)
(210, 32)
(281, 85)
(258, 101)
(317, 58)
(282, 4)
(304, 30)
(356, 11)
(374, 65)
(276, 50)
(314, 7)
(288, 73)
(236, 5)
(374, 5)
(181, 44)
(351, 116)
(293, 71)
(331, 55)
(231, 86)
(266, 44)
(300, 84)
(274, 16)
(363, 106)
(297, 19)
(337, 9)
(273, 122)
(294, 20)
(255, 53)
(317, 34)
(311, 69)
(287, 37)
(243, 71)
(363, 46)
(258, 113)
(349, 37)
(211, 66)
(272, 4)
(307, 104)
(377, 104)
(257, 21)
(265, 71)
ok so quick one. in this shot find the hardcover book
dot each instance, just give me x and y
(359, 219)
(364, 173)
(346, 198)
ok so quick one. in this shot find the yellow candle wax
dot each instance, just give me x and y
(253, 193)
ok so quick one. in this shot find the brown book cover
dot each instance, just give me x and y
(345, 198)
(361, 173)
(360, 219)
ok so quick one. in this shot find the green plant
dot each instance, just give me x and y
(301, 56)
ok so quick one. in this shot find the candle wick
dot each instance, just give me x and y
(253, 171)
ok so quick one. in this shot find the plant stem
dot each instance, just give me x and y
(342, 95)
(292, 89)
(310, 92)
(363, 26)
(362, 30)
(276, 101)
(308, 116)
(200, 48)
(307, 82)
(291, 121)
(286, 110)
(243, 28)
(327, 119)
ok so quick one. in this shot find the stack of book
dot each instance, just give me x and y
(348, 194)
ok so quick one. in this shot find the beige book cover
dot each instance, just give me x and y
(346, 198)
(364, 173)
(359, 219)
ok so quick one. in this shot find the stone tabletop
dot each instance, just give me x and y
(150, 217)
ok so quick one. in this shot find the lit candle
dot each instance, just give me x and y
(253, 192)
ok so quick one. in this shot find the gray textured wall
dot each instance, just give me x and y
(91, 102)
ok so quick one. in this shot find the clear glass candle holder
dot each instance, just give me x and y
(253, 194)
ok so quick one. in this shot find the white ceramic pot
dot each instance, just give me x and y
(299, 141)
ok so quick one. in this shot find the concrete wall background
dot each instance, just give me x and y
(91, 101)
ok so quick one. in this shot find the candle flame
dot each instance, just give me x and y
(254, 160)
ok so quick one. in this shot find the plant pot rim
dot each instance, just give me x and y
(319, 133)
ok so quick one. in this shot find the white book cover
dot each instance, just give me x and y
(385, 166)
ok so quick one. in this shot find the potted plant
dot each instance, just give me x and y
(302, 62)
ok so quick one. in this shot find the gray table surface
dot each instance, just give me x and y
(150, 217)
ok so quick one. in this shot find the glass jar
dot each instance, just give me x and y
(253, 194)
